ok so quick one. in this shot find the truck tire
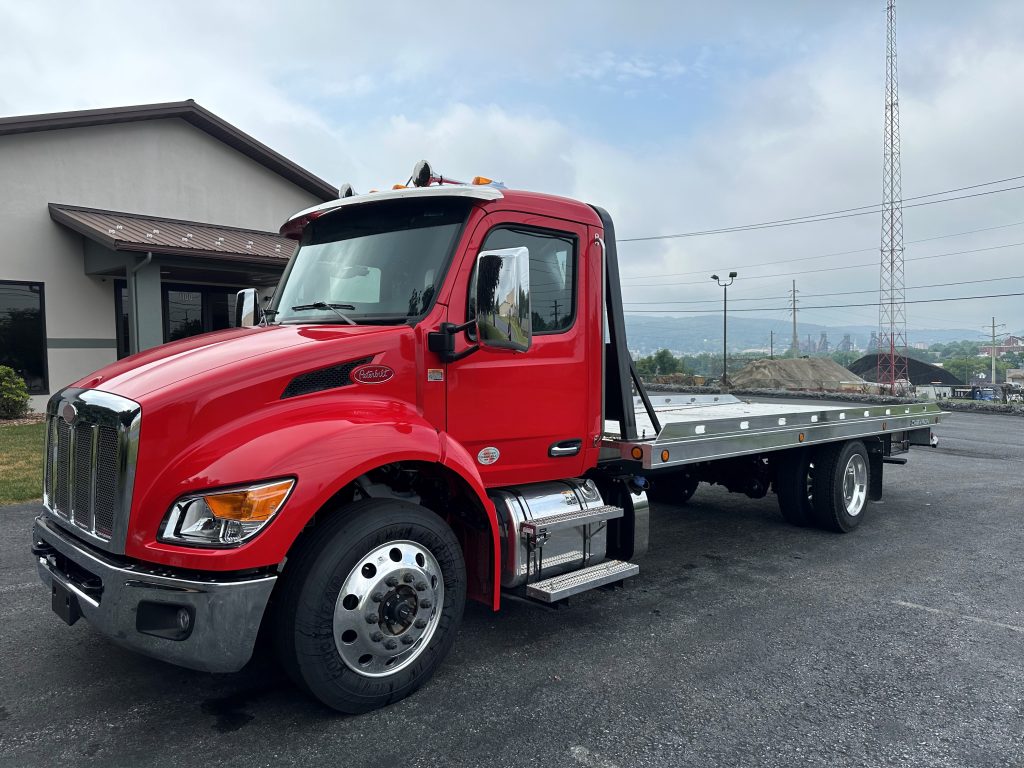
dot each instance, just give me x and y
(842, 477)
(369, 604)
(676, 488)
(794, 486)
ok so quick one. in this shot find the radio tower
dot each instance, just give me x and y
(892, 309)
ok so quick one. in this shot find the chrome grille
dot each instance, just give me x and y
(90, 464)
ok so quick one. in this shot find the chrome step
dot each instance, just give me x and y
(560, 587)
(572, 518)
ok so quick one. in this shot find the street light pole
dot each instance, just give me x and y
(725, 327)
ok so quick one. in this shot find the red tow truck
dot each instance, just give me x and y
(438, 404)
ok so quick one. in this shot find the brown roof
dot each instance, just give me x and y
(192, 113)
(132, 232)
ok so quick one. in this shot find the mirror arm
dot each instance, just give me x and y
(442, 341)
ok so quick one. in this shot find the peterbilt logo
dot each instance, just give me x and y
(69, 413)
(372, 374)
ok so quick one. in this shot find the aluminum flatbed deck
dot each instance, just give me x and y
(698, 428)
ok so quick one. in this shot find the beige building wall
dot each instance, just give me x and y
(165, 168)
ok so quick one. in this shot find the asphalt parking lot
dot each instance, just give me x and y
(743, 642)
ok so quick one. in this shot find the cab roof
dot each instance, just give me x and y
(533, 201)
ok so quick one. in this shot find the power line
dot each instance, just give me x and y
(839, 293)
(836, 269)
(844, 213)
(829, 255)
(827, 306)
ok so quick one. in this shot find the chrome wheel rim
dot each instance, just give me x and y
(855, 485)
(388, 608)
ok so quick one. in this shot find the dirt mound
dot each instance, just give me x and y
(800, 373)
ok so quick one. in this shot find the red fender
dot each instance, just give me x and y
(312, 443)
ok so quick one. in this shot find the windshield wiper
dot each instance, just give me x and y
(333, 307)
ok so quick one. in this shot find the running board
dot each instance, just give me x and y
(569, 584)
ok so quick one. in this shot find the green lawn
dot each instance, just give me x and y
(21, 462)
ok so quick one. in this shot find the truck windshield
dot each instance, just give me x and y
(383, 262)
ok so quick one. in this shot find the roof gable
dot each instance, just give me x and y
(188, 111)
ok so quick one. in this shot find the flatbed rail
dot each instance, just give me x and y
(707, 427)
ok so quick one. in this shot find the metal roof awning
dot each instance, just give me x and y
(133, 232)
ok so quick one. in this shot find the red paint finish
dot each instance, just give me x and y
(213, 414)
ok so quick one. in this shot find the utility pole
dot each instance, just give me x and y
(771, 345)
(993, 350)
(796, 340)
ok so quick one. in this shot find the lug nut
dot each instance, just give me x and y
(377, 637)
(372, 618)
(421, 623)
(377, 597)
(391, 645)
(408, 578)
(392, 581)
(407, 640)
(424, 603)
(421, 586)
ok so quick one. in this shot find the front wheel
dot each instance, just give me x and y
(370, 603)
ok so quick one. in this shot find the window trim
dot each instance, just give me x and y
(550, 231)
(45, 390)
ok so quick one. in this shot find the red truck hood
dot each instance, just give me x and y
(160, 367)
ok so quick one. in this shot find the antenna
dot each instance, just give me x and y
(892, 308)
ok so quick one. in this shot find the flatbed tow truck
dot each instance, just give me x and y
(439, 404)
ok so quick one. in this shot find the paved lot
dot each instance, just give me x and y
(743, 642)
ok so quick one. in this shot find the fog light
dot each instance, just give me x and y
(184, 620)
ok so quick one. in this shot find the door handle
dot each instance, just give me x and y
(565, 448)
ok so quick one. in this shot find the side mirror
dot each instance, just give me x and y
(503, 309)
(247, 309)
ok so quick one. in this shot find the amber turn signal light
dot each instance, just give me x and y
(251, 504)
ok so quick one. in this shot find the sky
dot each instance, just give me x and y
(676, 117)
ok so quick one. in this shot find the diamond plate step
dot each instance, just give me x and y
(573, 518)
(560, 587)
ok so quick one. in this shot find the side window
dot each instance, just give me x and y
(552, 274)
(23, 333)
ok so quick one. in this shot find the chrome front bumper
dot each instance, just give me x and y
(204, 624)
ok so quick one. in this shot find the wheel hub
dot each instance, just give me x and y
(388, 608)
(855, 479)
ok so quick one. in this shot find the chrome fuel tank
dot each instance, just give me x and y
(550, 528)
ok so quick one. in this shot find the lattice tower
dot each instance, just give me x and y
(892, 308)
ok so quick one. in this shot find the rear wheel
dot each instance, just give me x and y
(369, 604)
(676, 488)
(794, 486)
(841, 482)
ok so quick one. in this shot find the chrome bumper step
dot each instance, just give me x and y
(574, 518)
(568, 584)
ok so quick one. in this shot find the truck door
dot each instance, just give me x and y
(523, 416)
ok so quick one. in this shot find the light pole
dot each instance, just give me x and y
(725, 310)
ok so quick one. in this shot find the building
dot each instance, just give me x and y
(1009, 344)
(124, 228)
(920, 373)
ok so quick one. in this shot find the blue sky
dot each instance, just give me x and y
(676, 116)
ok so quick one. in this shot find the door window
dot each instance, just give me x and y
(552, 274)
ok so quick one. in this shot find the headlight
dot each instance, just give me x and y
(224, 518)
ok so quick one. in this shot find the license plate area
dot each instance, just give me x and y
(65, 603)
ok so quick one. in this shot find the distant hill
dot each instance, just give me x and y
(703, 333)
